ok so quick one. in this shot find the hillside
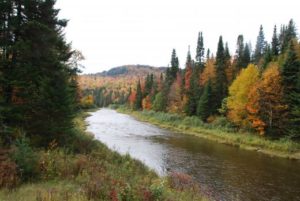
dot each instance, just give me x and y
(117, 77)
(114, 85)
(135, 70)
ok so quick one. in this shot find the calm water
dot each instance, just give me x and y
(230, 173)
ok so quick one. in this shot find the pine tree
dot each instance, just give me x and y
(287, 34)
(275, 43)
(192, 94)
(268, 57)
(200, 49)
(174, 65)
(220, 91)
(43, 102)
(260, 46)
(240, 53)
(204, 104)
(139, 97)
(290, 80)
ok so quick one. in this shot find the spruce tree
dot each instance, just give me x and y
(193, 94)
(260, 45)
(204, 104)
(268, 57)
(200, 49)
(275, 43)
(290, 81)
(287, 34)
(40, 85)
(139, 97)
(220, 91)
(174, 64)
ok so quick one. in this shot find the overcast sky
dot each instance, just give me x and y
(111, 33)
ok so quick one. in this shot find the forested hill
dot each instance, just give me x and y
(114, 85)
(132, 70)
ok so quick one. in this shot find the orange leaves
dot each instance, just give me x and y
(146, 103)
(175, 104)
(266, 108)
(209, 72)
(187, 76)
(132, 98)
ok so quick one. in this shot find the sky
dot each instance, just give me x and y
(112, 33)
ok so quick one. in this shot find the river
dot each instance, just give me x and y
(229, 172)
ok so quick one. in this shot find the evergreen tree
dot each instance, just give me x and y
(290, 81)
(40, 85)
(174, 65)
(287, 33)
(246, 56)
(192, 94)
(220, 91)
(204, 104)
(200, 49)
(139, 97)
(275, 43)
(268, 57)
(260, 45)
(148, 84)
(208, 54)
(240, 52)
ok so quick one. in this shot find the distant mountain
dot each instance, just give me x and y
(119, 77)
(135, 70)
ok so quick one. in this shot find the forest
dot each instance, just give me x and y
(255, 90)
(46, 152)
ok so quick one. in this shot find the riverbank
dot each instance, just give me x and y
(91, 171)
(219, 133)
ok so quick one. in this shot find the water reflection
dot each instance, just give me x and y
(231, 173)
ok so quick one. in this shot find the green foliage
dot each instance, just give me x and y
(159, 103)
(290, 81)
(174, 65)
(192, 93)
(204, 108)
(200, 49)
(26, 159)
(220, 91)
(43, 102)
(139, 97)
(275, 43)
(260, 45)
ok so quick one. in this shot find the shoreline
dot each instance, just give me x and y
(222, 137)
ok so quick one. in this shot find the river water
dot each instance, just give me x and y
(229, 172)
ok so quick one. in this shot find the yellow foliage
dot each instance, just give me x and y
(209, 72)
(238, 95)
(266, 108)
(87, 101)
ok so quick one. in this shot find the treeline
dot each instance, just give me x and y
(38, 74)
(257, 90)
(102, 97)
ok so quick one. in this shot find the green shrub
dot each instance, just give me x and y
(192, 121)
(26, 159)
(223, 124)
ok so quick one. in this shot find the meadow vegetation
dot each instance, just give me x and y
(85, 169)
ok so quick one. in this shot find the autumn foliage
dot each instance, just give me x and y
(238, 95)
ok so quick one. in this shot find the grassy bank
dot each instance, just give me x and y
(91, 171)
(219, 131)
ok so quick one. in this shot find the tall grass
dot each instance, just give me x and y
(81, 173)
